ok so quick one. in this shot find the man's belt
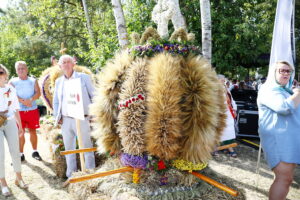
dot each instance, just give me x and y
(85, 116)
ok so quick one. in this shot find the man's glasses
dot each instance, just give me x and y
(285, 71)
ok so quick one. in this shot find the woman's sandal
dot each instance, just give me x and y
(5, 191)
(21, 184)
(232, 154)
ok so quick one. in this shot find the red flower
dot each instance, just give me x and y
(161, 165)
(140, 97)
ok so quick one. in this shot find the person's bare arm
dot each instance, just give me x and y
(18, 120)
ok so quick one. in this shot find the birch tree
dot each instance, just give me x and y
(120, 23)
(88, 20)
(206, 28)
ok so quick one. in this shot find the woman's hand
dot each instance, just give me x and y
(296, 90)
(296, 96)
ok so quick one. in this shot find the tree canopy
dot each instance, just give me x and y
(34, 30)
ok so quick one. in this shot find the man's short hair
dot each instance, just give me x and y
(20, 63)
(65, 57)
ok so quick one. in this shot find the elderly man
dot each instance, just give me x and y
(60, 112)
(28, 92)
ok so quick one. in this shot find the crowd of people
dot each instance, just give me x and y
(278, 104)
(19, 111)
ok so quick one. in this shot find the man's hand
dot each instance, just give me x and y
(21, 132)
(60, 121)
(27, 102)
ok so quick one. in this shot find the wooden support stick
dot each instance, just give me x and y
(100, 174)
(227, 146)
(82, 163)
(216, 184)
(78, 151)
(253, 143)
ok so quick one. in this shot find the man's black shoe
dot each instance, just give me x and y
(36, 156)
(22, 158)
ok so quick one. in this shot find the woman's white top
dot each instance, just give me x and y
(8, 94)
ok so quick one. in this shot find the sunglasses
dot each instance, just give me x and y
(285, 71)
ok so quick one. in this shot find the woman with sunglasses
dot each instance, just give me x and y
(279, 125)
(9, 106)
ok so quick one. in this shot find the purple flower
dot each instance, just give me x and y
(134, 161)
(158, 48)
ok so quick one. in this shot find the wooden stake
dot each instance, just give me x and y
(227, 146)
(82, 163)
(216, 184)
(100, 174)
(78, 151)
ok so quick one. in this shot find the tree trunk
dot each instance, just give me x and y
(206, 28)
(120, 23)
(88, 21)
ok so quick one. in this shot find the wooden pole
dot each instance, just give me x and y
(249, 142)
(82, 163)
(100, 174)
(216, 184)
(227, 146)
(78, 151)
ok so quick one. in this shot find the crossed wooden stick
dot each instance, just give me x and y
(131, 169)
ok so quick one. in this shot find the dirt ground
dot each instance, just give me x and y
(238, 173)
(241, 172)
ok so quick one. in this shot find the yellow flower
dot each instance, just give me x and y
(136, 176)
(188, 166)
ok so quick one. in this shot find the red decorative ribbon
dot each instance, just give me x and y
(228, 98)
(7, 93)
(128, 102)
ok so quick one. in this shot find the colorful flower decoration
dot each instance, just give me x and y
(136, 176)
(188, 166)
(173, 47)
(45, 90)
(128, 102)
(134, 161)
(163, 180)
(161, 165)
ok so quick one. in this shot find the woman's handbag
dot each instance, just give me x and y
(2, 120)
